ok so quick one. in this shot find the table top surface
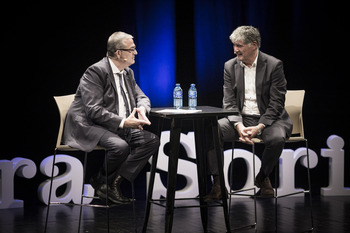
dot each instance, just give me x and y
(203, 111)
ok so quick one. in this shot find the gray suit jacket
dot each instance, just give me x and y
(271, 87)
(95, 107)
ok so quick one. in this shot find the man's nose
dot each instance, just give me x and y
(235, 49)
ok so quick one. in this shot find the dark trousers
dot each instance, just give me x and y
(127, 157)
(273, 136)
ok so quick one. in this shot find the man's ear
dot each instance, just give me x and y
(255, 44)
(117, 54)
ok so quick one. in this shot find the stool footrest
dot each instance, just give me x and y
(245, 227)
(73, 204)
(156, 202)
(240, 192)
(290, 194)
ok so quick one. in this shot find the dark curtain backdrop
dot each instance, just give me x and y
(48, 47)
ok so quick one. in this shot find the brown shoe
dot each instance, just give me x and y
(266, 190)
(215, 193)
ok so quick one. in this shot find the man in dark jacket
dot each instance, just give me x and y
(254, 86)
(110, 110)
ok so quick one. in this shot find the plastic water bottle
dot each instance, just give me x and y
(192, 97)
(177, 96)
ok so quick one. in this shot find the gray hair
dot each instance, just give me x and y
(116, 41)
(246, 34)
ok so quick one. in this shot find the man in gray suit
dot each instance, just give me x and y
(110, 110)
(254, 86)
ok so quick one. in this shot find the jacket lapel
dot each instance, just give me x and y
(239, 75)
(111, 80)
(111, 75)
(259, 78)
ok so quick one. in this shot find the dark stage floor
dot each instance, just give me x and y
(331, 215)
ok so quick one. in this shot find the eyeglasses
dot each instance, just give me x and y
(128, 50)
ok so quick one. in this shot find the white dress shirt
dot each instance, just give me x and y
(122, 108)
(250, 105)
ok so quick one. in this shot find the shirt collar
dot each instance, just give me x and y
(115, 69)
(254, 63)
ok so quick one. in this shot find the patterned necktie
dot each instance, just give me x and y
(126, 104)
(127, 132)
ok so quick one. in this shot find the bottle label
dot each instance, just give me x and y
(177, 94)
(192, 94)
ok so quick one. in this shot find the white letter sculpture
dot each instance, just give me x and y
(287, 164)
(247, 156)
(185, 168)
(22, 167)
(73, 178)
(336, 167)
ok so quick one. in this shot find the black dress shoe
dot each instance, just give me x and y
(94, 181)
(101, 192)
(115, 194)
(100, 188)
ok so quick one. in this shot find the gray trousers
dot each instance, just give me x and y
(127, 157)
(274, 137)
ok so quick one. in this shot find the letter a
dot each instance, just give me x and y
(73, 177)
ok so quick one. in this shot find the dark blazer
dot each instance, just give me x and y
(271, 87)
(95, 107)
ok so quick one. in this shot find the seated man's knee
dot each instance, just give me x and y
(155, 141)
(119, 149)
(275, 141)
(226, 129)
